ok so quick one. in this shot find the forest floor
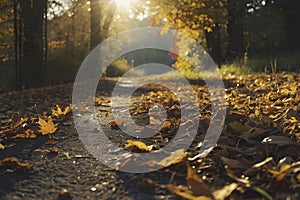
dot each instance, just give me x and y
(256, 157)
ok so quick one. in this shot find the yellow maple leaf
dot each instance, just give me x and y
(58, 111)
(101, 101)
(46, 127)
(137, 145)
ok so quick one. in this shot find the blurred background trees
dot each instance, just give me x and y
(43, 42)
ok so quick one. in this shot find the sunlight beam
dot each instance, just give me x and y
(124, 4)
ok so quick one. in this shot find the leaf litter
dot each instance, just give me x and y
(256, 157)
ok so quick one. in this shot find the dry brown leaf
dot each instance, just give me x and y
(256, 167)
(137, 145)
(12, 164)
(47, 127)
(101, 101)
(262, 163)
(2, 146)
(167, 125)
(29, 134)
(176, 157)
(154, 121)
(64, 192)
(243, 180)
(279, 140)
(116, 123)
(197, 185)
(254, 132)
(185, 192)
(51, 142)
(21, 122)
(225, 191)
(58, 111)
(281, 173)
(236, 164)
(54, 150)
(238, 127)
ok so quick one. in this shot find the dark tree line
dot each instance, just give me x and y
(29, 44)
(30, 41)
(30, 31)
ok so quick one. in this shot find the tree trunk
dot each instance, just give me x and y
(95, 23)
(213, 43)
(45, 39)
(32, 65)
(236, 48)
(16, 47)
(98, 32)
(108, 20)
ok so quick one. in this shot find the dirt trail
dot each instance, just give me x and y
(72, 171)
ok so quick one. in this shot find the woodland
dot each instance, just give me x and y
(254, 45)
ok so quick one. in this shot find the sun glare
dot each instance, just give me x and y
(125, 4)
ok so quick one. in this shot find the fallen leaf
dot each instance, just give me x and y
(58, 111)
(262, 163)
(225, 191)
(254, 132)
(21, 122)
(185, 192)
(12, 164)
(101, 101)
(281, 173)
(51, 142)
(167, 125)
(133, 145)
(47, 127)
(238, 127)
(64, 192)
(67, 154)
(236, 164)
(243, 180)
(279, 140)
(154, 121)
(176, 157)
(116, 123)
(256, 167)
(54, 150)
(197, 185)
(29, 134)
(2, 146)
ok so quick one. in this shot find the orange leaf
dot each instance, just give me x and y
(116, 123)
(52, 142)
(54, 150)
